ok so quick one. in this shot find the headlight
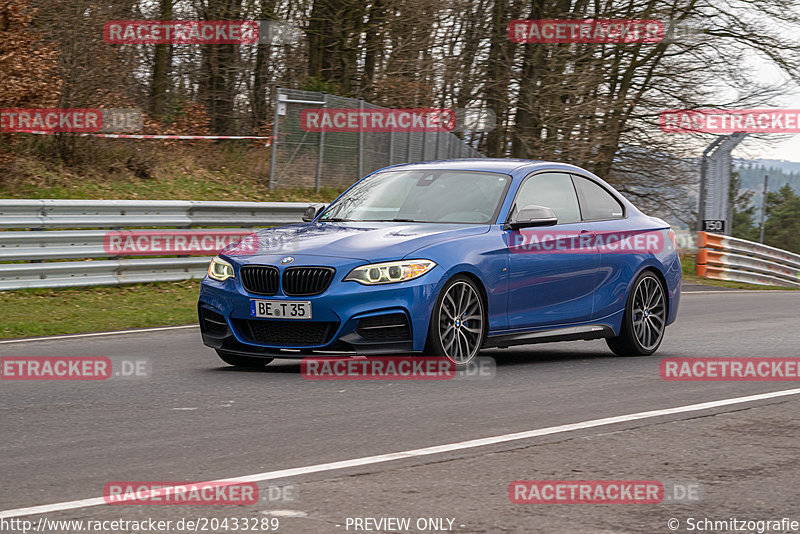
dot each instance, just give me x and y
(390, 272)
(220, 269)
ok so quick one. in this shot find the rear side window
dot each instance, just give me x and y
(597, 204)
(552, 190)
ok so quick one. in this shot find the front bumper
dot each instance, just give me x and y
(347, 318)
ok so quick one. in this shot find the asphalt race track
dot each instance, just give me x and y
(194, 419)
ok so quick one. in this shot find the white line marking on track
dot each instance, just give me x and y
(427, 451)
(738, 291)
(98, 334)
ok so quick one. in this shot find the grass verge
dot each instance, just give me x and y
(183, 173)
(46, 312)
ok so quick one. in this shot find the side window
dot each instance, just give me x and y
(552, 190)
(597, 204)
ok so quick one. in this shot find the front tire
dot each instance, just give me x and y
(645, 319)
(245, 362)
(458, 322)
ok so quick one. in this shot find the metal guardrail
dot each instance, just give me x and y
(102, 272)
(64, 244)
(55, 231)
(47, 238)
(728, 258)
(41, 214)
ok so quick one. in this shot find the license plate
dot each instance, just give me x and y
(284, 309)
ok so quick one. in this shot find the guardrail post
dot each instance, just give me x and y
(763, 208)
(700, 258)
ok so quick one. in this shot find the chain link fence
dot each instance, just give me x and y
(337, 159)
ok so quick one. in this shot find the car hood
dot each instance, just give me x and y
(370, 242)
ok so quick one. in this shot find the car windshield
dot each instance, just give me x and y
(422, 196)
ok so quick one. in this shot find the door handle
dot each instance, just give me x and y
(587, 238)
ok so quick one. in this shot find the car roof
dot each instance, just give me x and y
(505, 165)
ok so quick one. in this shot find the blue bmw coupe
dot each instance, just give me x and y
(444, 258)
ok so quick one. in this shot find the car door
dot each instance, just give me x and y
(550, 282)
(606, 215)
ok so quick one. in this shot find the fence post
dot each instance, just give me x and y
(763, 208)
(360, 139)
(391, 146)
(320, 151)
(436, 155)
(408, 147)
(274, 152)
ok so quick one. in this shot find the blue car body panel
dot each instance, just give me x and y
(523, 292)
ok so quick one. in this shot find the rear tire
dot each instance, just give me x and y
(645, 318)
(245, 362)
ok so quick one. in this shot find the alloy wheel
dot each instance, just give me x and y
(649, 313)
(461, 322)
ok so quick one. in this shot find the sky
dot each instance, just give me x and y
(783, 149)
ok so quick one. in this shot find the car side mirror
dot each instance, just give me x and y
(312, 211)
(530, 216)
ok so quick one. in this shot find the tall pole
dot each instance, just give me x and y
(274, 139)
(321, 149)
(360, 138)
(715, 173)
(701, 208)
(764, 208)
